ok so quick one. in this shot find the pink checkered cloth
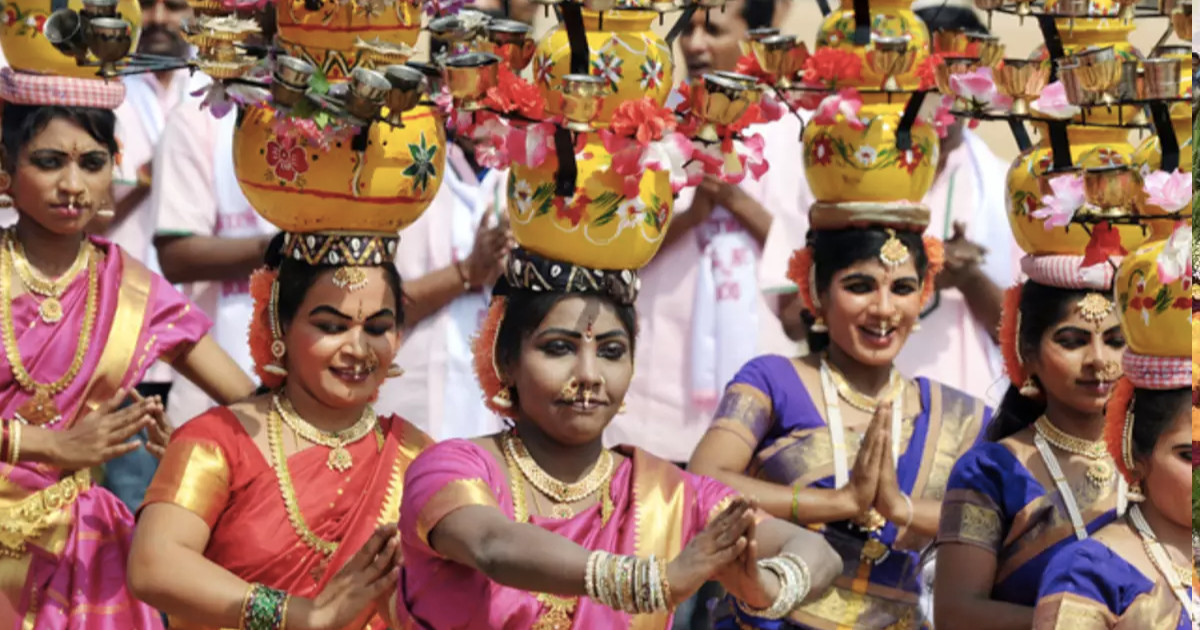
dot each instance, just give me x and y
(1147, 372)
(23, 88)
(1066, 272)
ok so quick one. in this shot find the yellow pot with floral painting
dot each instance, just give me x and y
(26, 48)
(1091, 147)
(847, 164)
(297, 186)
(889, 18)
(623, 49)
(1155, 317)
(326, 36)
(599, 226)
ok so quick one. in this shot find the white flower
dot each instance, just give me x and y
(866, 155)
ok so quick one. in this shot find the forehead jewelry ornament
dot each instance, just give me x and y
(350, 278)
(1094, 308)
(894, 252)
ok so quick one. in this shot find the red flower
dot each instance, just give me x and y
(1105, 242)
(38, 22)
(927, 71)
(831, 65)
(514, 94)
(749, 66)
(822, 150)
(1182, 302)
(643, 120)
(909, 160)
(575, 211)
(286, 158)
(10, 16)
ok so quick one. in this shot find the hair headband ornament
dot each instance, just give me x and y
(527, 271)
(1066, 272)
(802, 270)
(24, 88)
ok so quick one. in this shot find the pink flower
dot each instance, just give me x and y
(530, 145)
(979, 88)
(935, 112)
(1170, 191)
(670, 155)
(631, 159)
(1059, 209)
(772, 110)
(847, 102)
(1053, 102)
(754, 161)
(1175, 261)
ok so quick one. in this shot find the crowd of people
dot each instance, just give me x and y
(786, 419)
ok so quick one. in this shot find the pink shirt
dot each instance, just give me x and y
(664, 416)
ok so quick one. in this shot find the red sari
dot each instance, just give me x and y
(214, 469)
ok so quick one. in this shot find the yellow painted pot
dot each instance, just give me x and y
(843, 164)
(299, 187)
(622, 48)
(598, 227)
(326, 37)
(1155, 318)
(889, 18)
(25, 48)
(1090, 147)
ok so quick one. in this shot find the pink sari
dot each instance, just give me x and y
(63, 541)
(657, 509)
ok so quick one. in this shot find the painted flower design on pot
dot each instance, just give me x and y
(866, 155)
(422, 167)
(286, 158)
(821, 150)
(911, 159)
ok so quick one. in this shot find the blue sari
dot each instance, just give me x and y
(770, 407)
(1089, 587)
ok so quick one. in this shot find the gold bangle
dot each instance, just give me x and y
(665, 584)
(246, 606)
(14, 443)
(283, 613)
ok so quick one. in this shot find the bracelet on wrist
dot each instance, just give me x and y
(794, 585)
(911, 513)
(462, 275)
(627, 583)
(796, 504)
(264, 608)
(12, 454)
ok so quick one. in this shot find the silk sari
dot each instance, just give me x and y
(1001, 498)
(768, 405)
(64, 541)
(1089, 587)
(656, 509)
(214, 469)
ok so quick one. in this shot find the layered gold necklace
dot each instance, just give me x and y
(284, 477)
(561, 493)
(41, 408)
(339, 458)
(50, 310)
(1100, 469)
(857, 399)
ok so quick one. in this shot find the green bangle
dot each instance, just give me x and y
(264, 608)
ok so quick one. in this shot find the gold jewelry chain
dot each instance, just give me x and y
(40, 284)
(1072, 444)
(8, 333)
(558, 491)
(857, 399)
(284, 477)
(339, 457)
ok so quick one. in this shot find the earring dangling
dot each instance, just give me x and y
(623, 408)
(916, 327)
(395, 371)
(278, 350)
(503, 399)
(1135, 494)
(818, 326)
(1030, 389)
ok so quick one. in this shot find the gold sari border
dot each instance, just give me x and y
(971, 523)
(194, 476)
(457, 494)
(660, 502)
(412, 442)
(31, 517)
(841, 607)
(1068, 611)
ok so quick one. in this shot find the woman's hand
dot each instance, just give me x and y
(863, 487)
(370, 574)
(160, 431)
(889, 501)
(743, 578)
(718, 545)
(101, 435)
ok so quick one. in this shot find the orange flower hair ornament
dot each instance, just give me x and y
(1118, 427)
(483, 347)
(1009, 333)
(262, 283)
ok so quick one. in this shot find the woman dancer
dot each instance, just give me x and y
(81, 321)
(525, 524)
(280, 511)
(840, 439)
(1137, 571)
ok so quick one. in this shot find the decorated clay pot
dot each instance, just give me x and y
(298, 186)
(598, 227)
(844, 164)
(1155, 318)
(26, 48)
(889, 18)
(1091, 147)
(326, 37)
(623, 50)
(1148, 156)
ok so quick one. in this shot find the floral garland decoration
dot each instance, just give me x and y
(260, 329)
(642, 137)
(483, 349)
(1009, 333)
(1115, 414)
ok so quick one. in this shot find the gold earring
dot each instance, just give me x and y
(1135, 494)
(916, 327)
(623, 408)
(278, 350)
(503, 399)
(395, 371)
(1030, 389)
(818, 326)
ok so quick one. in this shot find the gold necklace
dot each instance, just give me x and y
(1100, 471)
(563, 494)
(339, 458)
(50, 309)
(41, 408)
(284, 477)
(857, 399)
